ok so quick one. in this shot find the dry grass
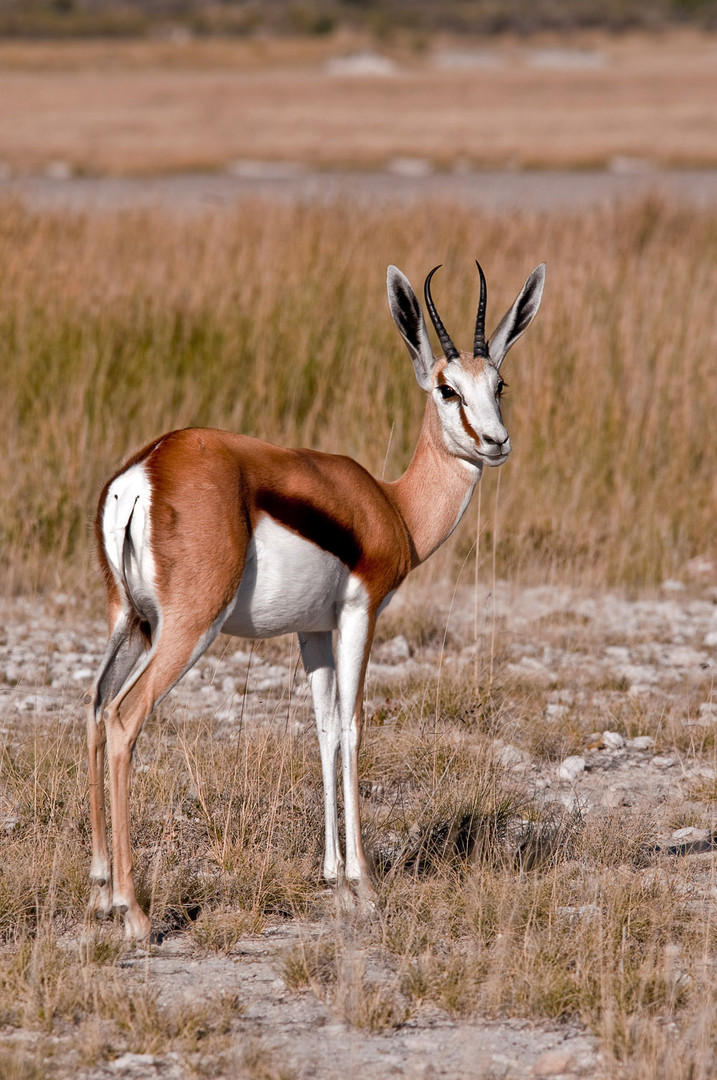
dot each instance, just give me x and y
(147, 107)
(273, 321)
(594, 926)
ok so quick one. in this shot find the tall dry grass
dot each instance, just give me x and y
(273, 321)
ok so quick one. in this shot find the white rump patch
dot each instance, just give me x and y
(130, 496)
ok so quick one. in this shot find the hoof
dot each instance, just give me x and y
(137, 926)
(365, 893)
(357, 898)
(100, 902)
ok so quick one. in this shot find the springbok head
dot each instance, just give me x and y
(466, 387)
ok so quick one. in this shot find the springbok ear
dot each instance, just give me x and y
(516, 321)
(408, 317)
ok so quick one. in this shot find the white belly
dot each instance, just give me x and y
(289, 585)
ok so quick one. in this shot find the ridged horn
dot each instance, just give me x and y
(449, 349)
(479, 346)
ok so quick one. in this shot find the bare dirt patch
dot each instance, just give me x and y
(129, 109)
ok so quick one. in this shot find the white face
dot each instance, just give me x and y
(467, 395)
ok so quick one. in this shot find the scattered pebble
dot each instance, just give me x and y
(692, 832)
(612, 740)
(511, 757)
(571, 768)
(641, 742)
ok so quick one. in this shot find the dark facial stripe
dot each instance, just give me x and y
(470, 432)
(313, 524)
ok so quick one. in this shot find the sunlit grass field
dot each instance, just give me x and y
(273, 321)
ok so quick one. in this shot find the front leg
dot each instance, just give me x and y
(318, 657)
(355, 634)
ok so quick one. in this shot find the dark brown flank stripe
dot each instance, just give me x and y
(313, 524)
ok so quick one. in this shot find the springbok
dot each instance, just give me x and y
(205, 531)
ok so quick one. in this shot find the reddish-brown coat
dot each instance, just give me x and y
(210, 487)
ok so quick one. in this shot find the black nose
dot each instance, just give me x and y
(492, 442)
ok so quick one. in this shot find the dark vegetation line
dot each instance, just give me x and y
(136, 18)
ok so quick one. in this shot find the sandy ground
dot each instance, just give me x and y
(641, 652)
(146, 108)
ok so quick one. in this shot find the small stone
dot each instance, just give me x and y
(690, 834)
(612, 740)
(672, 585)
(662, 761)
(571, 768)
(511, 757)
(641, 742)
(81, 674)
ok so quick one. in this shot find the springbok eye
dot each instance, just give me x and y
(447, 392)
(500, 387)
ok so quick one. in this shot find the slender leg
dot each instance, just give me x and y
(100, 872)
(181, 642)
(355, 634)
(111, 672)
(318, 657)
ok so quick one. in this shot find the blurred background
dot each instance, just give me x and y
(199, 201)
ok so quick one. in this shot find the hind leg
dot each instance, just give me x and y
(100, 901)
(181, 641)
(126, 646)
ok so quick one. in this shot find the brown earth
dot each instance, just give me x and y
(145, 108)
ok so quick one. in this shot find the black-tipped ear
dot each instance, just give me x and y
(408, 317)
(516, 321)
